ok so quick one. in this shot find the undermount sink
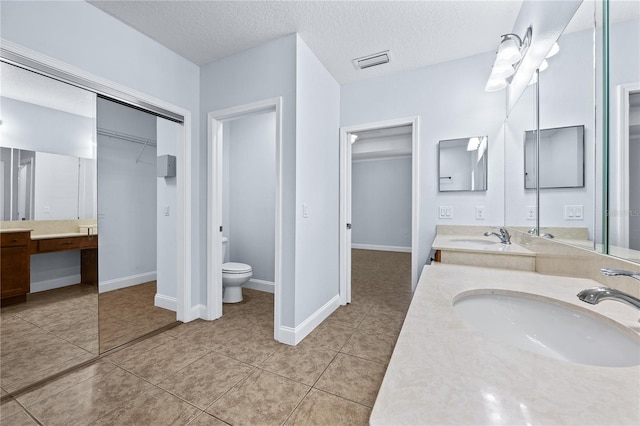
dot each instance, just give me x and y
(547, 327)
(473, 241)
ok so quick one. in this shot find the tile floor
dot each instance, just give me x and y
(231, 371)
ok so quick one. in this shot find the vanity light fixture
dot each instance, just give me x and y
(508, 58)
(474, 143)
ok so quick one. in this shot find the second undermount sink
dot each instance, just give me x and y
(550, 328)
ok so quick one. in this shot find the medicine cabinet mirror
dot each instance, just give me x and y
(561, 158)
(462, 164)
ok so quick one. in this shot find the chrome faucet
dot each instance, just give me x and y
(504, 236)
(596, 295)
(620, 273)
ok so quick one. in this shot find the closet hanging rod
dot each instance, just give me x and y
(127, 137)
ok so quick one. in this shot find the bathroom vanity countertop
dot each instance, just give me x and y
(476, 244)
(9, 230)
(443, 371)
(61, 235)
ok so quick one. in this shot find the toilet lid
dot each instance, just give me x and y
(235, 268)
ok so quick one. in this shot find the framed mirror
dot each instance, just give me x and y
(462, 164)
(561, 158)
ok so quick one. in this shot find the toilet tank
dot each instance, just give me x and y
(225, 241)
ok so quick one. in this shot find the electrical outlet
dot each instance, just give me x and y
(531, 212)
(166, 210)
(305, 210)
(479, 212)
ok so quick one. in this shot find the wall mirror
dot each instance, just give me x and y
(622, 91)
(462, 164)
(561, 158)
(48, 163)
(46, 186)
(562, 93)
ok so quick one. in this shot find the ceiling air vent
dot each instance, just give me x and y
(372, 60)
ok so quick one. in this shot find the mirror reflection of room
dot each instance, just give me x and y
(462, 164)
(131, 205)
(49, 234)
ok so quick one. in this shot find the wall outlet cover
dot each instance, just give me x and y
(531, 212)
(480, 212)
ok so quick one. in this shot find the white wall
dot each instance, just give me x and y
(167, 196)
(252, 193)
(381, 202)
(317, 184)
(81, 35)
(55, 187)
(126, 198)
(260, 73)
(451, 102)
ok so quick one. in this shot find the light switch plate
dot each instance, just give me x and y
(446, 212)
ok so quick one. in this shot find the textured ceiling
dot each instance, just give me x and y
(418, 33)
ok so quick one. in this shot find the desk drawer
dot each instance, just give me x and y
(15, 239)
(70, 243)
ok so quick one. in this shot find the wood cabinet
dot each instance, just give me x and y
(15, 266)
(88, 246)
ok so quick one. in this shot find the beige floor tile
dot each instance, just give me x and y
(153, 407)
(206, 419)
(383, 323)
(371, 346)
(329, 335)
(262, 399)
(321, 408)
(139, 348)
(303, 363)
(163, 360)
(98, 368)
(89, 400)
(19, 419)
(250, 347)
(9, 408)
(355, 379)
(205, 380)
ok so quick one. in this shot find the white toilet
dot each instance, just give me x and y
(234, 276)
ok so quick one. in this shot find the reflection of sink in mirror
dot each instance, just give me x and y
(475, 242)
(546, 327)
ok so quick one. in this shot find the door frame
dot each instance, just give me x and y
(345, 197)
(215, 123)
(622, 219)
(185, 311)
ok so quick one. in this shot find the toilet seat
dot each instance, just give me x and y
(235, 268)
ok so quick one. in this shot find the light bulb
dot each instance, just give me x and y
(508, 52)
(544, 65)
(495, 84)
(554, 49)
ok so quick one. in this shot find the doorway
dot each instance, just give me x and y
(393, 144)
(224, 208)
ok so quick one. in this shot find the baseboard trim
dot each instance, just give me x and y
(165, 302)
(381, 248)
(125, 282)
(293, 336)
(261, 285)
(39, 286)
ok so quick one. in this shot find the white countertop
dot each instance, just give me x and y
(479, 244)
(443, 371)
(61, 235)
